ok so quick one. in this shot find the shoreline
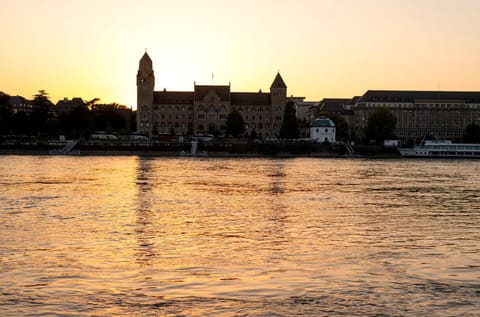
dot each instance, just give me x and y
(26, 152)
(269, 149)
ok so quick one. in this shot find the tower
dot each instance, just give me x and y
(278, 97)
(145, 86)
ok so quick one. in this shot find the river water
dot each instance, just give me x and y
(137, 236)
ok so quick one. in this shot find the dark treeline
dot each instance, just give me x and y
(73, 118)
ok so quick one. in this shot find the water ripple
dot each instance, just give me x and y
(114, 236)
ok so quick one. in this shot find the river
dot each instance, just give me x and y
(139, 236)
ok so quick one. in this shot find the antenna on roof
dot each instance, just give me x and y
(213, 78)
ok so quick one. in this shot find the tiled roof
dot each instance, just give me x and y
(146, 58)
(412, 96)
(172, 97)
(335, 105)
(222, 91)
(250, 98)
(278, 82)
(322, 122)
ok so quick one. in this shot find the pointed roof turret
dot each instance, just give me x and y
(278, 82)
(145, 62)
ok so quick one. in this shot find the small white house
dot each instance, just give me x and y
(322, 130)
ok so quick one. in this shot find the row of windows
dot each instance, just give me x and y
(173, 107)
(171, 116)
(426, 105)
(422, 132)
(222, 108)
(251, 109)
(212, 108)
(211, 116)
(317, 130)
(163, 125)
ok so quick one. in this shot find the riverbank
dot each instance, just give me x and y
(273, 148)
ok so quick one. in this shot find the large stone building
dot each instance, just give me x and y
(442, 114)
(205, 109)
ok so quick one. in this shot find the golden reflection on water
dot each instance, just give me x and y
(141, 234)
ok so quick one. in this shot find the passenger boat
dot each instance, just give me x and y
(442, 148)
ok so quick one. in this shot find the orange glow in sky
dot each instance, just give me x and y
(323, 48)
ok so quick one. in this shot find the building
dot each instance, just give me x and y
(322, 130)
(205, 109)
(303, 108)
(19, 104)
(66, 105)
(441, 114)
(338, 106)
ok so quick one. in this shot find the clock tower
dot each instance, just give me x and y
(145, 86)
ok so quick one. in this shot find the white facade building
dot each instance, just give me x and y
(322, 130)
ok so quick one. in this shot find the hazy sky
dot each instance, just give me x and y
(322, 48)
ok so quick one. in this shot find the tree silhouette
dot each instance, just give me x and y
(41, 108)
(90, 104)
(289, 129)
(235, 124)
(381, 124)
(5, 113)
(472, 133)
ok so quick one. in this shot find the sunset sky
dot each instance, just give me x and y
(322, 48)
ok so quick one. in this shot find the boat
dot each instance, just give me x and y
(442, 148)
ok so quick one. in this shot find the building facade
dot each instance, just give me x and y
(323, 130)
(441, 114)
(206, 108)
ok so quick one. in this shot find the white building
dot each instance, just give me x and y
(322, 130)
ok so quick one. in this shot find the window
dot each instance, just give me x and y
(200, 116)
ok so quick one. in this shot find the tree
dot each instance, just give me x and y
(235, 124)
(108, 117)
(381, 125)
(91, 104)
(289, 129)
(76, 122)
(472, 133)
(41, 108)
(341, 125)
(5, 113)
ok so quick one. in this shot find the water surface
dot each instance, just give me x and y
(113, 236)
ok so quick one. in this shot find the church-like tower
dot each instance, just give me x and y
(278, 97)
(145, 86)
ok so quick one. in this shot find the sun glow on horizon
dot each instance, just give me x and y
(322, 48)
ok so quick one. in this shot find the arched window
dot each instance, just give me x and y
(201, 112)
(212, 113)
